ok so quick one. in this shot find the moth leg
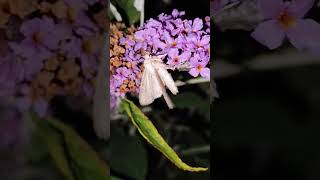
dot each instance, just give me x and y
(164, 93)
(168, 100)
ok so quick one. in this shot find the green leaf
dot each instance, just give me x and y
(114, 178)
(75, 159)
(126, 151)
(132, 14)
(151, 134)
(189, 99)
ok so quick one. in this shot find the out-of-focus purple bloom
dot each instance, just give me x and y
(77, 19)
(39, 33)
(114, 102)
(41, 36)
(88, 89)
(217, 5)
(285, 19)
(11, 72)
(27, 101)
(83, 25)
(28, 66)
(86, 51)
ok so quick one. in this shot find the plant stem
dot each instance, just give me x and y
(192, 81)
(196, 150)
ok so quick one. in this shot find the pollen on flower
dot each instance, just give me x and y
(122, 68)
(174, 44)
(199, 67)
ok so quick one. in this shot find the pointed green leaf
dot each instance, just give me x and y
(151, 134)
(132, 14)
(114, 178)
(72, 155)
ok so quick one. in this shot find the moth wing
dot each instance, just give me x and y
(150, 88)
(167, 79)
(155, 85)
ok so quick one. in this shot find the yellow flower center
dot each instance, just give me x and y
(286, 20)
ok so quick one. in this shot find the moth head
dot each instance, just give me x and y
(150, 59)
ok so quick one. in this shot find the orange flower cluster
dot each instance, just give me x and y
(59, 75)
(20, 8)
(117, 52)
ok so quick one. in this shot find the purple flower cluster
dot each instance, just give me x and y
(183, 43)
(55, 52)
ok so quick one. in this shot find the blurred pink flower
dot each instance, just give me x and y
(86, 51)
(29, 65)
(74, 16)
(27, 101)
(11, 72)
(286, 20)
(218, 5)
(41, 36)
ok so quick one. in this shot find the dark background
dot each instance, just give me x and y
(265, 125)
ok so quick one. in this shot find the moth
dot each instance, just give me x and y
(155, 79)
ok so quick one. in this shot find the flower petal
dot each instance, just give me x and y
(173, 53)
(205, 73)
(269, 33)
(305, 34)
(197, 25)
(270, 8)
(41, 107)
(185, 56)
(300, 7)
(194, 72)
